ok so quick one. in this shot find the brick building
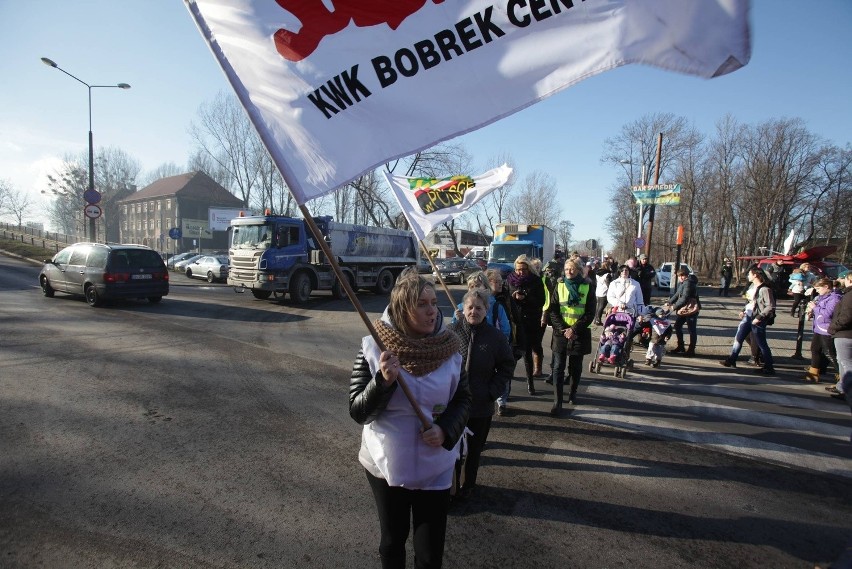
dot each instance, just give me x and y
(181, 202)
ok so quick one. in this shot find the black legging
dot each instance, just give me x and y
(395, 506)
(799, 298)
(822, 346)
(600, 307)
(479, 426)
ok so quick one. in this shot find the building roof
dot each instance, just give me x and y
(193, 185)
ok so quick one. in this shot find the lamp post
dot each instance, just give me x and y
(90, 192)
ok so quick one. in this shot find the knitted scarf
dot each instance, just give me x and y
(465, 331)
(516, 280)
(573, 290)
(418, 356)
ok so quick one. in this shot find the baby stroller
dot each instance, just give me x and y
(661, 331)
(617, 328)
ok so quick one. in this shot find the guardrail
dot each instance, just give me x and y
(37, 237)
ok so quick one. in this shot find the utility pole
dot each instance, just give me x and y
(653, 206)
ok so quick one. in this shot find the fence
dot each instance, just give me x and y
(37, 237)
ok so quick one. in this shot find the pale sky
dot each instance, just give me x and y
(800, 67)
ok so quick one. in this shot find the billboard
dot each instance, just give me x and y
(195, 229)
(219, 218)
(658, 194)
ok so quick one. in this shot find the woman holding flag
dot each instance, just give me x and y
(409, 467)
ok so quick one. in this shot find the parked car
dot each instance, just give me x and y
(664, 274)
(100, 272)
(456, 270)
(180, 266)
(170, 264)
(424, 267)
(210, 267)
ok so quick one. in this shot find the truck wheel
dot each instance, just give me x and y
(261, 294)
(385, 282)
(337, 290)
(300, 288)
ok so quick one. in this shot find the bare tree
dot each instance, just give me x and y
(634, 152)
(563, 233)
(13, 202)
(535, 201)
(779, 156)
(492, 209)
(18, 205)
(5, 190)
(164, 170)
(225, 134)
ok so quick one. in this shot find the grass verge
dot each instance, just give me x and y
(26, 250)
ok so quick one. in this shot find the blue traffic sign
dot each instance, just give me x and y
(175, 233)
(639, 242)
(92, 196)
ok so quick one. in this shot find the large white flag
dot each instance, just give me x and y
(429, 202)
(335, 93)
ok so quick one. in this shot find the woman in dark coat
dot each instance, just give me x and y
(527, 290)
(687, 288)
(572, 309)
(488, 361)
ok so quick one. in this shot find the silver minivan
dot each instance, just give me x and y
(100, 272)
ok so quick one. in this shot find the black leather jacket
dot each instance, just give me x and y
(368, 397)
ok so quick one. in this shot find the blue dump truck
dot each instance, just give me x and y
(273, 254)
(514, 239)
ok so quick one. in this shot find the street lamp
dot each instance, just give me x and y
(91, 188)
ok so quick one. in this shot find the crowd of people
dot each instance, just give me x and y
(421, 448)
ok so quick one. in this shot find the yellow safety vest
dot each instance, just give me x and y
(571, 314)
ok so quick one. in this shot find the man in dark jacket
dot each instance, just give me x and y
(687, 289)
(727, 274)
(646, 274)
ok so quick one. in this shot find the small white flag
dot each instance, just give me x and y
(429, 202)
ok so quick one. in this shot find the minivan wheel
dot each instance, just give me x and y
(210, 277)
(154, 299)
(46, 289)
(92, 296)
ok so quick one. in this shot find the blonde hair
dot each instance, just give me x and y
(477, 279)
(493, 274)
(523, 260)
(404, 296)
(577, 266)
(535, 266)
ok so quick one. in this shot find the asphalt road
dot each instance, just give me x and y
(211, 431)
